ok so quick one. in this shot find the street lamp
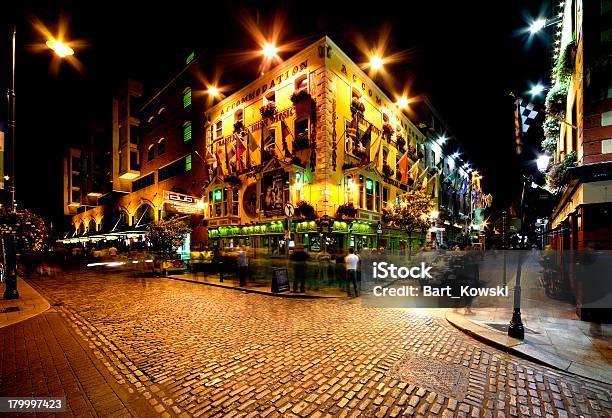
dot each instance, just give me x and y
(537, 25)
(376, 62)
(402, 102)
(269, 50)
(542, 162)
(536, 90)
(62, 50)
(213, 91)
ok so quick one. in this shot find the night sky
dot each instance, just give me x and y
(466, 56)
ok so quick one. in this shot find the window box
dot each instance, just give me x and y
(346, 211)
(388, 131)
(357, 106)
(268, 110)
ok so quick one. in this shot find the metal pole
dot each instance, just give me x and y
(516, 329)
(504, 218)
(10, 291)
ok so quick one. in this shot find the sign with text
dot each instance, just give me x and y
(280, 280)
(181, 203)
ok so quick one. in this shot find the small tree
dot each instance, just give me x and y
(166, 235)
(411, 214)
(29, 229)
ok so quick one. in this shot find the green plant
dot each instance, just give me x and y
(305, 210)
(166, 235)
(552, 127)
(347, 210)
(411, 213)
(549, 145)
(387, 130)
(268, 110)
(556, 99)
(238, 126)
(557, 173)
(566, 63)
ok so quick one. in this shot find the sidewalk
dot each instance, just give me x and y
(29, 304)
(553, 333)
(231, 282)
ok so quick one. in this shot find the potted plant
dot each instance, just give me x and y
(387, 170)
(346, 210)
(305, 210)
(301, 142)
(165, 236)
(357, 106)
(401, 143)
(268, 110)
(300, 96)
(238, 126)
(387, 131)
(556, 99)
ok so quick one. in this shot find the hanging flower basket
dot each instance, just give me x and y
(305, 210)
(357, 106)
(387, 170)
(557, 173)
(387, 130)
(556, 99)
(346, 211)
(552, 128)
(301, 142)
(238, 127)
(268, 110)
(300, 96)
(566, 63)
(549, 145)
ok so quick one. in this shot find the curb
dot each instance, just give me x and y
(259, 292)
(29, 315)
(523, 350)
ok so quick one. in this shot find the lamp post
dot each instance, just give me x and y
(9, 252)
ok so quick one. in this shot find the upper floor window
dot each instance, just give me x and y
(187, 131)
(187, 97)
(219, 129)
(235, 201)
(239, 116)
(151, 152)
(188, 162)
(135, 134)
(270, 97)
(161, 146)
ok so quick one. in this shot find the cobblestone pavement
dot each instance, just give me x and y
(194, 350)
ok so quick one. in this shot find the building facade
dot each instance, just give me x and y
(311, 153)
(581, 99)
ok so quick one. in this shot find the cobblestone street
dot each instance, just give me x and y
(192, 350)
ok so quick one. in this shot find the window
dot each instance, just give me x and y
(76, 164)
(377, 191)
(134, 163)
(385, 118)
(188, 163)
(385, 155)
(175, 168)
(135, 134)
(369, 190)
(76, 181)
(151, 152)
(360, 188)
(239, 116)
(161, 115)
(134, 106)
(301, 138)
(190, 57)
(76, 196)
(235, 202)
(301, 83)
(218, 202)
(187, 131)
(187, 97)
(385, 197)
(355, 94)
(219, 129)
(143, 182)
(161, 146)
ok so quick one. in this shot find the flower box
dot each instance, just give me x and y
(268, 110)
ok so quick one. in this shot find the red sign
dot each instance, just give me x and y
(181, 203)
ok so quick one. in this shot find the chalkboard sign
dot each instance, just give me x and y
(280, 280)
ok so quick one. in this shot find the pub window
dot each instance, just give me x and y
(360, 188)
(219, 129)
(301, 83)
(161, 146)
(235, 201)
(187, 131)
(151, 152)
(352, 137)
(187, 97)
(385, 197)
(218, 199)
(188, 162)
(369, 191)
(270, 97)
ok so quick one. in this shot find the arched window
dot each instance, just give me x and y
(145, 214)
(161, 146)
(151, 152)
(187, 131)
(91, 227)
(187, 97)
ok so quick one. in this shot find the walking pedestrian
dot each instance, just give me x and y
(351, 261)
(243, 265)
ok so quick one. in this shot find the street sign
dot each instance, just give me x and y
(289, 210)
(379, 228)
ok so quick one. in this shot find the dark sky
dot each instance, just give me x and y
(466, 56)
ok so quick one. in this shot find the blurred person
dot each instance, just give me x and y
(352, 263)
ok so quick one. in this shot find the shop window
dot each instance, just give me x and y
(188, 162)
(161, 146)
(187, 97)
(151, 152)
(235, 202)
(187, 131)
(219, 129)
(301, 83)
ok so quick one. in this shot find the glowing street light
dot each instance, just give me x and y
(442, 139)
(537, 25)
(61, 49)
(376, 62)
(536, 90)
(269, 50)
(434, 214)
(402, 102)
(213, 91)
(542, 162)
